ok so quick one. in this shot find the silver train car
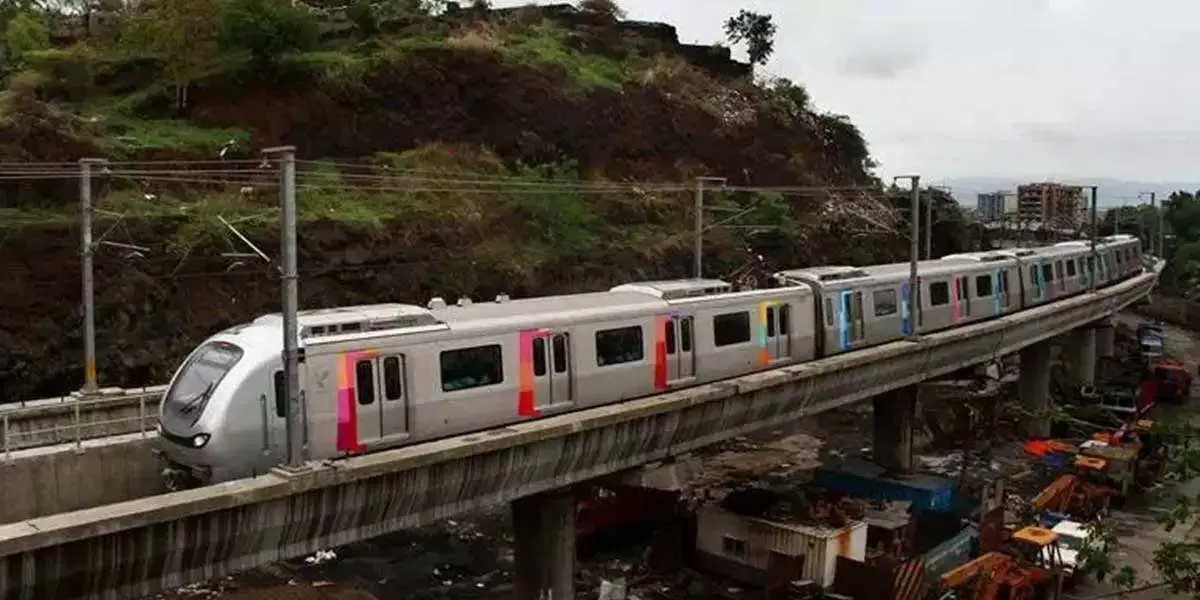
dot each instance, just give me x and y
(381, 376)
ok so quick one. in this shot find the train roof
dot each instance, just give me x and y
(673, 289)
(925, 268)
(1061, 250)
(823, 274)
(546, 311)
(985, 256)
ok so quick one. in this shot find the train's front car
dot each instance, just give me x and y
(197, 444)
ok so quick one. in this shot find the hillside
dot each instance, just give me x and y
(525, 151)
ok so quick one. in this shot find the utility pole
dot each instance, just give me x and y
(698, 225)
(296, 448)
(1095, 257)
(89, 294)
(914, 235)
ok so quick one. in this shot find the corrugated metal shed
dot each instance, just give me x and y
(750, 541)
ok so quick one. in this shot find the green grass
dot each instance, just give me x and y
(124, 135)
(547, 45)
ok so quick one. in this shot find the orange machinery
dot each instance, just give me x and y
(1022, 566)
(1080, 496)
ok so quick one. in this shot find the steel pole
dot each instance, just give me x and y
(296, 448)
(1095, 256)
(86, 249)
(914, 289)
(698, 230)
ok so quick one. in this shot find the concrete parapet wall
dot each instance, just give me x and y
(137, 548)
(51, 480)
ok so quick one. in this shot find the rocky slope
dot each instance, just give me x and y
(529, 102)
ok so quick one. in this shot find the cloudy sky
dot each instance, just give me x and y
(1030, 89)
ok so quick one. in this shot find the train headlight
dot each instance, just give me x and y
(199, 440)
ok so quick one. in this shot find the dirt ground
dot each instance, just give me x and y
(470, 557)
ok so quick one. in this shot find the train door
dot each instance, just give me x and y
(552, 370)
(368, 411)
(1005, 290)
(681, 355)
(851, 320)
(963, 289)
(394, 404)
(779, 338)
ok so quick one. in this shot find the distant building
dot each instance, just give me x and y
(1051, 204)
(996, 206)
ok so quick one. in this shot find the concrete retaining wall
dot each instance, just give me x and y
(45, 481)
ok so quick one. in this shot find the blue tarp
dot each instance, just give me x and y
(862, 479)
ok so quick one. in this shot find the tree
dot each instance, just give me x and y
(757, 30)
(266, 29)
(606, 8)
(180, 33)
(25, 33)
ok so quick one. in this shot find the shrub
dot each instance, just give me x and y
(266, 29)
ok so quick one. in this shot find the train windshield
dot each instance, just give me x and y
(200, 376)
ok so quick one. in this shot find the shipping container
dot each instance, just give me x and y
(863, 479)
(741, 547)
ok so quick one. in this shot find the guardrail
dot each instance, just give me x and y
(74, 419)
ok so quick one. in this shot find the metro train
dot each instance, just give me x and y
(379, 376)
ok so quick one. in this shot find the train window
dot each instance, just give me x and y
(939, 293)
(364, 381)
(468, 368)
(829, 312)
(785, 317)
(1047, 272)
(559, 345)
(983, 286)
(731, 328)
(393, 378)
(770, 321)
(1058, 270)
(671, 336)
(617, 346)
(885, 302)
(280, 395)
(685, 330)
(1071, 268)
(539, 356)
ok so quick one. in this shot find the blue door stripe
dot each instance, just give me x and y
(996, 295)
(844, 319)
(905, 314)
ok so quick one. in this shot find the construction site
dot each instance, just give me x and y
(804, 513)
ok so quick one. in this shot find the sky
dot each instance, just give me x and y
(1027, 89)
